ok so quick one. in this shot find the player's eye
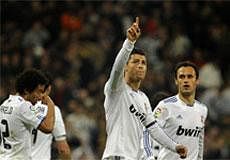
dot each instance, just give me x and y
(143, 62)
(190, 76)
(135, 61)
(181, 76)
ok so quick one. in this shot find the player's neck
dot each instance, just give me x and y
(189, 100)
(134, 85)
(132, 82)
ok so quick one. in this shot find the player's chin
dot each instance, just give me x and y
(140, 78)
(186, 93)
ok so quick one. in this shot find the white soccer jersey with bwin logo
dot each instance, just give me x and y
(125, 109)
(17, 118)
(126, 113)
(184, 124)
(41, 142)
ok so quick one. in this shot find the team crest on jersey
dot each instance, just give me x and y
(158, 112)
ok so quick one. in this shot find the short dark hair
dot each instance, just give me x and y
(186, 64)
(29, 80)
(137, 51)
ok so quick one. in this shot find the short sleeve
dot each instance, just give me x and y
(59, 127)
(205, 114)
(32, 114)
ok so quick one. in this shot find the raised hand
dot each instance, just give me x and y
(134, 32)
(47, 100)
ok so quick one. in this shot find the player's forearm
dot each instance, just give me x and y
(63, 150)
(47, 124)
(117, 73)
(159, 135)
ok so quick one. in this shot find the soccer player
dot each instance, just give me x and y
(41, 143)
(18, 115)
(125, 105)
(181, 116)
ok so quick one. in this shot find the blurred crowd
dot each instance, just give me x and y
(77, 42)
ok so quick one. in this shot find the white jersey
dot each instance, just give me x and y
(18, 117)
(41, 142)
(126, 111)
(184, 124)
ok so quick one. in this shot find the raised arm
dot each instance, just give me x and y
(47, 124)
(117, 73)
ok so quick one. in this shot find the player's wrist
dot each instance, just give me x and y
(128, 45)
(131, 41)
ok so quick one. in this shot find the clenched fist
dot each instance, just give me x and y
(182, 151)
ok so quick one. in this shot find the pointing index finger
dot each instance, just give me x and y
(137, 20)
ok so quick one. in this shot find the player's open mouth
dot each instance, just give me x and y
(186, 86)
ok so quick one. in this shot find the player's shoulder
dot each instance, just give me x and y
(15, 99)
(19, 101)
(24, 106)
(201, 106)
(57, 110)
(143, 94)
(166, 103)
(108, 90)
(170, 100)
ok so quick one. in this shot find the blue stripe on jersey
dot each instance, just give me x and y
(170, 100)
(146, 142)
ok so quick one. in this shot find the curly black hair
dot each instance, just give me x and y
(29, 80)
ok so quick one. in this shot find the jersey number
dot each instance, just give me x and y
(5, 134)
(35, 133)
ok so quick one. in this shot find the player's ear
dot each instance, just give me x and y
(197, 82)
(176, 82)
